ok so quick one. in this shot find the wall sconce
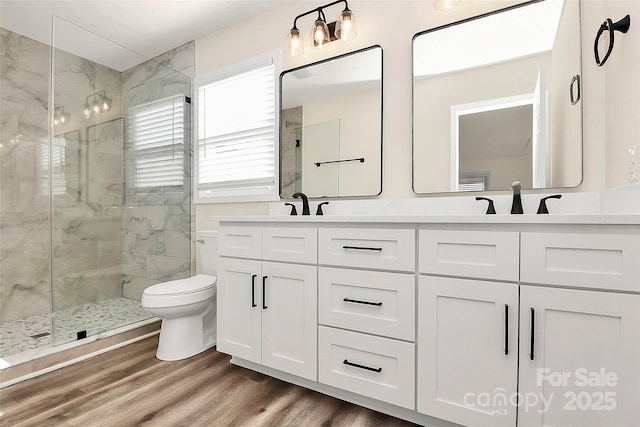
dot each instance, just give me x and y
(321, 32)
(60, 117)
(100, 103)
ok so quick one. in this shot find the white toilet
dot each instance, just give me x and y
(187, 307)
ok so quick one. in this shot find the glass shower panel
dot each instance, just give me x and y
(110, 238)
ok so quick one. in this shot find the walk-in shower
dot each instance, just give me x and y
(95, 185)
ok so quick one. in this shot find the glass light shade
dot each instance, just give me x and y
(295, 43)
(60, 116)
(346, 26)
(445, 4)
(87, 110)
(95, 106)
(105, 103)
(320, 33)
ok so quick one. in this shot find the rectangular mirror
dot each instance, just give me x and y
(331, 126)
(496, 99)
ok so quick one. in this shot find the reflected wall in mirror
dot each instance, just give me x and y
(331, 127)
(496, 100)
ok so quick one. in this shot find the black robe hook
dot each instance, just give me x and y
(608, 25)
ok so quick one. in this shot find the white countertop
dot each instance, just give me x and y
(611, 207)
(594, 219)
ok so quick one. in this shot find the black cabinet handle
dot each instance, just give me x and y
(575, 81)
(379, 304)
(506, 329)
(253, 290)
(533, 330)
(368, 368)
(362, 248)
(264, 294)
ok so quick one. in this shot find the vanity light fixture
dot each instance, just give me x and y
(321, 32)
(60, 117)
(100, 103)
(445, 4)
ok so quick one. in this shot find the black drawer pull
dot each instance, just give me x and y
(506, 329)
(362, 248)
(264, 292)
(379, 304)
(346, 362)
(253, 290)
(533, 334)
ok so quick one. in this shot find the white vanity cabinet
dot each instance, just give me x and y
(468, 327)
(580, 349)
(367, 316)
(523, 323)
(579, 358)
(267, 311)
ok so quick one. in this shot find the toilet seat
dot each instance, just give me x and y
(179, 292)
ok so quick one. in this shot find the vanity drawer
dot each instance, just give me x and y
(384, 249)
(475, 254)
(290, 244)
(380, 368)
(241, 242)
(367, 301)
(601, 261)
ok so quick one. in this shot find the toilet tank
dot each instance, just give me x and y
(208, 241)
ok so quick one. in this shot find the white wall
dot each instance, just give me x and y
(565, 149)
(320, 143)
(359, 137)
(622, 88)
(435, 96)
(392, 25)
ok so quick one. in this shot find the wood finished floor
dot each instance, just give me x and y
(130, 387)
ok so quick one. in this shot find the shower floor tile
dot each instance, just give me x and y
(34, 332)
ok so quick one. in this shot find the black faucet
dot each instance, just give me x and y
(293, 208)
(305, 202)
(491, 210)
(516, 205)
(319, 209)
(542, 208)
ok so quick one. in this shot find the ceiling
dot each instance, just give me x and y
(521, 32)
(146, 27)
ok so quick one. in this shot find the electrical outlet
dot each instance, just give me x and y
(633, 170)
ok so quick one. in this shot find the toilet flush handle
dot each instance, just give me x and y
(200, 241)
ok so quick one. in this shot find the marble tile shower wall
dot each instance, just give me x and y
(158, 227)
(291, 175)
(24, 206)
(87, 204)
(97, 247)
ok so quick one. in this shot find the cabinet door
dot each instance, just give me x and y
(239, 308)
(579, 358)
(467, 350)
(289, 318)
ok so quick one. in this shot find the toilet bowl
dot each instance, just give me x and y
(187, 307)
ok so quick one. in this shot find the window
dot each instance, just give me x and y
(237, 133)
(156, 135)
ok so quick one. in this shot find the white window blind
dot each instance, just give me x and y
(57, 164)
(156, 143)
(472, 183)
(237, 134)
